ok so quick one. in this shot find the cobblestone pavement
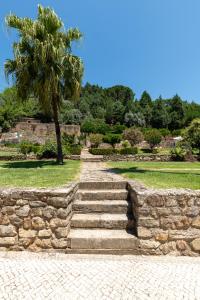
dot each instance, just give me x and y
(60, 276)
(98, 171)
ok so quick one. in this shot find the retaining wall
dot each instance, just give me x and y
(167, 221)
(36, 220)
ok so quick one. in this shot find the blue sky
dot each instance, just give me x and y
(151, 45)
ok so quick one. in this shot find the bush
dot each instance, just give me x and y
(48, 150)
(101, 151)
(118, 128)
(91, 125)
(133, 135)
(26, 147)
(178, 154)
(72, 150)
(126, 144)
(126, 151)
(165, 132)
(192, 134)
(153, 137)
(112, 138)
(96, 139)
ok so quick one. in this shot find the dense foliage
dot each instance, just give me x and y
(100, 110)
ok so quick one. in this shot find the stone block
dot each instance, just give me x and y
(148, 222)
(175, 222)
(195, 244)
(59, 243)
(148, 244)
(62, 232)
(7, 241)
(38, 223)
(27, 233)
(23, 211)
(34, 204)
(15, 220)
(185, 235)
(7, 231)
(43, 243)
(155, 200)
(144, 233)
(45, 233)
(196, 222)
(162, 236)
(54, 223)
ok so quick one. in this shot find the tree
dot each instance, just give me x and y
(72, 116)
(112, 139)
(133, 135)
(146, 107)
(43, 64)
(192, 134)
(177, 113)
(96, 139)
(134, 119)
(161, 117)
(153, 137)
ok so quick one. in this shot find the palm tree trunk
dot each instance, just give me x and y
(58, 134)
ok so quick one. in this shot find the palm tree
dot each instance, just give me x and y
(43, 64)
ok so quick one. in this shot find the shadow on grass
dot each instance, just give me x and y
(29, 164)
(122, 171)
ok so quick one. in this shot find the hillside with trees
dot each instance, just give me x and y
(100, 107)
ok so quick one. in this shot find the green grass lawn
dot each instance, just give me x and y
(39, 174)
(161, 174)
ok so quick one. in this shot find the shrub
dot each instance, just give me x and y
(102, 151)
(72, 150)
(133, 135)
(112, 138)
(153, 137)
(96, 139)
(118, 128)
(26, 147)
(192, 134)
(48, 150)
(91, 125)
(126, 151)
(68, 139)
(165, 132)
(126, 144)
(178, 154)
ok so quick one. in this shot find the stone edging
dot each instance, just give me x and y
(167, 221)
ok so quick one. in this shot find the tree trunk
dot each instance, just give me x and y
(58, 134)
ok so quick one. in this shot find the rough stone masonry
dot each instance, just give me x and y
(167, 221)
(35, 220)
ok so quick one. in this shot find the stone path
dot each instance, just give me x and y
(60, 276)
(98, 171)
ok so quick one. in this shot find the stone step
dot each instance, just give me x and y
(103, 206)
(109, 221)
(100, 185)
(135, 251)
(92, 159)
(120, 194)
(101, 239)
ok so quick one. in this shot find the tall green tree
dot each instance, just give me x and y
(43, 63)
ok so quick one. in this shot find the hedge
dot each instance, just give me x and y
(101, 151)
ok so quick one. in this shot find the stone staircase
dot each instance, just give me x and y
(102, 221)
(86, 156)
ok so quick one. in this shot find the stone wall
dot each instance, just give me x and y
(167, 221)
(36, 220)
(137, 157)
(35, 131)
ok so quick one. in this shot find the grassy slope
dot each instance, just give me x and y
(37, 173)
(161, 175)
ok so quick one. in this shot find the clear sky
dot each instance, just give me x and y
(151, 45)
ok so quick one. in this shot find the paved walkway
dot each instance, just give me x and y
(98, 171)
(60, 276)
